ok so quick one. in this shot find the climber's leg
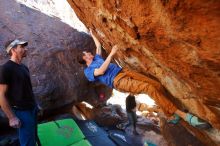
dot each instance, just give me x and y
(137, 84)
(181, 114)
(126, 83)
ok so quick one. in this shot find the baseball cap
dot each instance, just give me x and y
(15, 42)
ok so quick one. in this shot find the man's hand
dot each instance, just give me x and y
(97, 43)
(114, 50)
(14, 122)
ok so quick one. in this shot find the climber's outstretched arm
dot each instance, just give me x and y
(104, 66)
(97, 43)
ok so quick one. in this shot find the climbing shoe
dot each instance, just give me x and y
(175, 120)
(197, 122)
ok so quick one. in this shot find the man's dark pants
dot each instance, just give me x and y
(28, 130)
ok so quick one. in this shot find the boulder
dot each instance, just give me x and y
(176, 42)
(54, 43)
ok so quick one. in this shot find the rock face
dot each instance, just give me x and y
(56, 76)
(177, 42)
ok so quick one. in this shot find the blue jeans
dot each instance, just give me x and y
(132, 117)
(28, 130)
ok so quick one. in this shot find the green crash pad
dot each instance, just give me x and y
(82, 143)
(61, 133)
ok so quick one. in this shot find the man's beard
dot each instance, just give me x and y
(24, 54)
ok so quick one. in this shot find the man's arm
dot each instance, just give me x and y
(13, 120)
(97, 43)
(104, 66)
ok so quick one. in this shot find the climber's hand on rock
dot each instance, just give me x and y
(114, 49)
